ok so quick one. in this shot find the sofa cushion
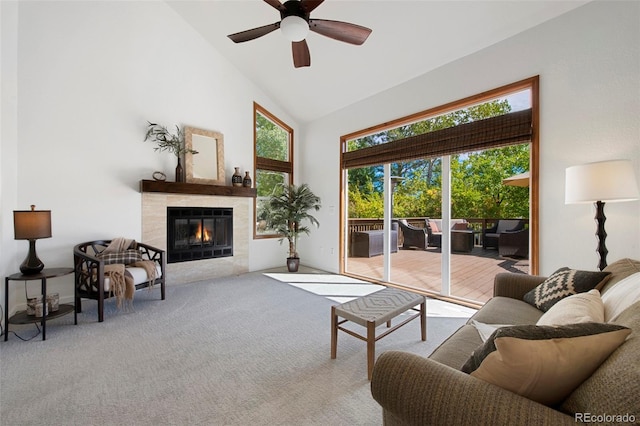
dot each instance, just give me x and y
(581, 307)
(562, 283)
(615, 386)
(544, 363)
(622, 295)
(620, 270)
(455, 351)
(506, 310)
(139, 276)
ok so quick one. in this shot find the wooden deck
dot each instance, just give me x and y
(471, 273)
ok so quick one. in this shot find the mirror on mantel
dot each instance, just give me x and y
(207, 166)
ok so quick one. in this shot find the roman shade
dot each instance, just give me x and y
(502, 130)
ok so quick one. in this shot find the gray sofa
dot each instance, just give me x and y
(414, 390)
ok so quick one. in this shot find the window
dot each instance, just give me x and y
(273, 159)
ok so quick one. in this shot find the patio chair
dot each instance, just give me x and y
(514, 244)
(413, 236)
(491, 236)
(433, 232)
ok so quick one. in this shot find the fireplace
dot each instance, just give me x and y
(195, 233)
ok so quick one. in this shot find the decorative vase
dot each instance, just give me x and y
(236, 179)
(179, 172)
(246, 182)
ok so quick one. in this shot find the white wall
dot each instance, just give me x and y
(87, 76)
(589, 66)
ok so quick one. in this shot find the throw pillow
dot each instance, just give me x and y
(581, 307)
(542, 363)
(486, 330)
(434, 226)
(562, 283)
(622, 295)
(125, 257)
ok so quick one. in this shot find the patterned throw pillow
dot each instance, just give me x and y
(544, 363)
(125, 257)
(562, 283)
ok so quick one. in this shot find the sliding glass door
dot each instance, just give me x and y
(422, 221)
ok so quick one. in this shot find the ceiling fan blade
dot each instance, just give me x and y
(301, 55)
(276, 4)
(342, 31)
(309, 5)
(253, 33)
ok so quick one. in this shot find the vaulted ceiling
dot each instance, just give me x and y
(409, 38)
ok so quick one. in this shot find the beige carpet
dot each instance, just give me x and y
(245, 350)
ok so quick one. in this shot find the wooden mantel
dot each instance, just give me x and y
(196, 189)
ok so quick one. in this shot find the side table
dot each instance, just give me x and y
(22, 317)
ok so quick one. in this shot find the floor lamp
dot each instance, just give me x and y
(605, 181)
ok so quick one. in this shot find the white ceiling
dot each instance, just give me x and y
(409, 38)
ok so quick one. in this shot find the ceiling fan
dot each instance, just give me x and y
(295, 25)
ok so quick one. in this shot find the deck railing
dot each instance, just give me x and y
(370, 224)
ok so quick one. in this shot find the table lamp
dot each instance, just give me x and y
(610, 181)
(31, 225)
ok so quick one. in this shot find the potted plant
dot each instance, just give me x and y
(289, 206)
(167, 141)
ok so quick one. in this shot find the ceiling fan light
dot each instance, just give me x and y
(294, 28)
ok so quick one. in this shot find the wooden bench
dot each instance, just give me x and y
(373, 310)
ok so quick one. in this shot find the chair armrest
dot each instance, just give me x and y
(89, 271)
(515, 286)
(413, 390)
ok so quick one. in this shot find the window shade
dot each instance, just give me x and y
(275, 165)
(508, 129)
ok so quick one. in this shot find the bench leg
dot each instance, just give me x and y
(371, 347)
(423, 320)
(334, 332)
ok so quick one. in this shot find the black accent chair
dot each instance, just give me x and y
(90, 278)
(413, 236)
(491, 236)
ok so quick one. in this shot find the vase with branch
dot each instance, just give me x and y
(171, 142)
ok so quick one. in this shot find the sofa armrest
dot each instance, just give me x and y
(515, 286)
(413, 390)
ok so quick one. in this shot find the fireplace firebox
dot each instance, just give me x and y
(195, 233)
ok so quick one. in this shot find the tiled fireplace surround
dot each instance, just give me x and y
(154, 232)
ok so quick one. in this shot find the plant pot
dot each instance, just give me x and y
(293, 263)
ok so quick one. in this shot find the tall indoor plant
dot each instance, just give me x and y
(289, 206)
(167, 141)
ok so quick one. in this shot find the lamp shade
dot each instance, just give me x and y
(32, 224)
(294, 28)
(608, 181)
